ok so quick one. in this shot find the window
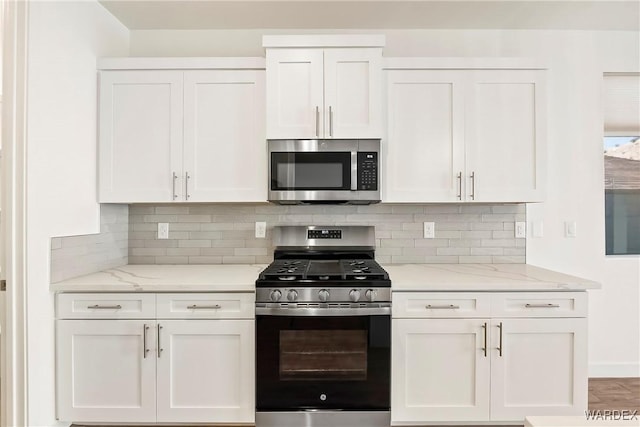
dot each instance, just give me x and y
(622, 194)
(622, 163)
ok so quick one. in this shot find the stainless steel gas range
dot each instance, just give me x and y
(323, 331)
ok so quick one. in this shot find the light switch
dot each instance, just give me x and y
(261, 229)
(429, 230)
(163, 230)
(521, 230)
(570, 229)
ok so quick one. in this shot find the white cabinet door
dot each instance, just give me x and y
(424, 150)
(439, 370)
(225, 153)
(352, 92)
(140, 137)
(505, 136)
(206, 371)
(295, 93)
(541, 368)
(104, 373)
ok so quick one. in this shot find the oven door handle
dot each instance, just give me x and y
(333, 312)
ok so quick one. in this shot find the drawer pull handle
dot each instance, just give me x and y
(204, 307)
(104, 307)
(500, 343)
(442, 307)
(542, 305)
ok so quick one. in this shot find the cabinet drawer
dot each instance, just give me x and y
(539, 304)
(106, 306)
(440, 304)
(206, 306)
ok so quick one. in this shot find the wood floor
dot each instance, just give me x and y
(621, 394)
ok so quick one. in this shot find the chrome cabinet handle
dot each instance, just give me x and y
(473, 186)
(442, 307)
(330, 121)
(160, 349)
(459, 185)
(145, 350)
(105, 307)
(484, 348)
(499, 348)
(317, 121)
(204, 307)
(186, 185)
(549, 305)
(173, 187)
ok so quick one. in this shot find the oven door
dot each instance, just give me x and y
(323, 362)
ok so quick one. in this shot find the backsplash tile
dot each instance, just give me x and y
(78, 255)
(224, 234)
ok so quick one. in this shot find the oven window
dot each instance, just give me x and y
(323, 355)
(311, 171)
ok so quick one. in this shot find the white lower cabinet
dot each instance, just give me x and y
(539, 367)
(488, 368)
(205, 371)
(439, 370)
(156, 370)
(103, 373)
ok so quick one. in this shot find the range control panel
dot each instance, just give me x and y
(368, 171)
(324, 234)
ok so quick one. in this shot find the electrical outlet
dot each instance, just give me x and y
(429, 230)
(163, 230)
(261, 230)
(570, 229)
(521, 230)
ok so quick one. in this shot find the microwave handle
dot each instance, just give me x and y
(354, 171)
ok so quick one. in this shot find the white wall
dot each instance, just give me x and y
(576, 61)
(64, 41)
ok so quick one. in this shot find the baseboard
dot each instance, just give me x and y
(614, 370)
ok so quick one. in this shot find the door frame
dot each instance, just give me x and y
(14, 136)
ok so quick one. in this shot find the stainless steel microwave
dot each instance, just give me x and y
(330, 171)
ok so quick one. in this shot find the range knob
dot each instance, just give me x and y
(292, 295)
(275, 295)
(354, 295)
(371, 294)
(323, 295)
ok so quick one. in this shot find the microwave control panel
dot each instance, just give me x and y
(367, 171)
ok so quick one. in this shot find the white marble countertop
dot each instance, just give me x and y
(166, 278)
(404, 277)
(482, 278)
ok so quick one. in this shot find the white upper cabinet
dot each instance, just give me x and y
(425, 149)
(294, 93)
(223, 134)
(464, 135)
(505, 140)
(352, 93)
(322, 90)
(168, 135)
(140, 135)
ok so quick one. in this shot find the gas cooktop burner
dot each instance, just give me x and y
(325, 270)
